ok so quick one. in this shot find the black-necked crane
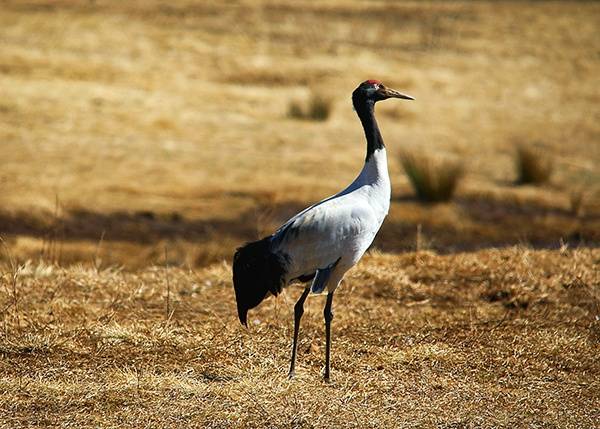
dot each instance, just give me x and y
(322, 242)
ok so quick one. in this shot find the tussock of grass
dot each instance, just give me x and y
(295, 110)
(432, 180)
(576, 201)
(318, 109)
(533, 165)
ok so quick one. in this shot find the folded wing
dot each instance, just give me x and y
(321, 235)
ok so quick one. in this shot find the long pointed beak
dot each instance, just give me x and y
(392, 93)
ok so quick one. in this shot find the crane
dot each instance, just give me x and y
(321, 243)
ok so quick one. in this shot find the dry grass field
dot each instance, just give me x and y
(488, 339)
(141, 142)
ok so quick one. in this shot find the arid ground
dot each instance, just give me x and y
(141, 142)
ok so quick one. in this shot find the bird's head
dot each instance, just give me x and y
(373, 91)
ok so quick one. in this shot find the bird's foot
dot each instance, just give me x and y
(291, 374)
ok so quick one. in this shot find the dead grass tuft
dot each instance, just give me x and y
(533, 165)
(576, 201)
(433, 180)
(318, 108)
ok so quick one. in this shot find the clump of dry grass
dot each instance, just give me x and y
(576, 201)
(432, 180)
(295, 110)
(533, 165)
(318, 108)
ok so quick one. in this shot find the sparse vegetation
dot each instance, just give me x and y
(96, 97)
(576, 201)
(295, 110)
(422, 341)
(318, 109)
(534, 166)
(169, 132)
(433, 180)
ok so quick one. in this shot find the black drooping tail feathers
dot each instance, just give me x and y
(256, 271)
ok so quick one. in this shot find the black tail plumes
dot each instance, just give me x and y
(256, 271)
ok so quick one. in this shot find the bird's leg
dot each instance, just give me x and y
(298, 312)
(328, 318)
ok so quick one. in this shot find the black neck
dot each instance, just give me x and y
(366, 112)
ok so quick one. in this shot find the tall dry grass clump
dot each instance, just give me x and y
(533, 166)
(433, 180)
(576, 201)
(318, 108)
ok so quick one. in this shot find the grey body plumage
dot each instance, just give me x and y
(324, 241)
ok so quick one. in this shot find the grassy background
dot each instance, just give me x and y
(145, 123)
(135, 135)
